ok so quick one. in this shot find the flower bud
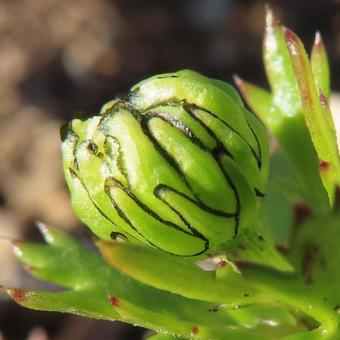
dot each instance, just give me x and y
(179, 164)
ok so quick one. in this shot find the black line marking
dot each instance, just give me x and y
(117, 183)
(218, 154)
(259, 193)
(194, 106)
(259, 161)
(211, 133)
(220, 147)
(166, 76)
(178, 125)
(73, 174)
(170, 159)
(195, 233)
(201, 205)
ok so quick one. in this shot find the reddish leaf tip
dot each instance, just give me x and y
(17, 294)
(323, 165)
(291, 40)
(239, 83)
(195, 330)
(114, 301)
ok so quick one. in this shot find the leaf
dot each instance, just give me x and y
(315, 255)
(162, 271)
(282, 112)
(96, 290)
(322, 131)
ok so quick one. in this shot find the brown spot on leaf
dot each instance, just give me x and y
(214, 309)
(114, 301)
(323, 100)
(223, 263)
(301, 212)
(195, 330)
(323, 165)
(18, 295)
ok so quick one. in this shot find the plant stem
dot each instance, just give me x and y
(288, 289)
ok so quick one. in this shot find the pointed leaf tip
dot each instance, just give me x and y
(45, 232)
(291, 40)
(17, 294)
(318, 42)
(320, 65)
(239, 83)
(16, 248)
(271, 20)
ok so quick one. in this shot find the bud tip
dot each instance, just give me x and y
(318, 42)
(271, 21)
(16, 248)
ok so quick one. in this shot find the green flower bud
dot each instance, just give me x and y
(179, 164)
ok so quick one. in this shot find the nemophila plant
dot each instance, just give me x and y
(174, 177)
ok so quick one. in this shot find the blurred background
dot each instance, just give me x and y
(58, 57)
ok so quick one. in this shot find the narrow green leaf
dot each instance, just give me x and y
(99, 291)
(86, 303)
(322, 134)
(162, 271)
(282, 113)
